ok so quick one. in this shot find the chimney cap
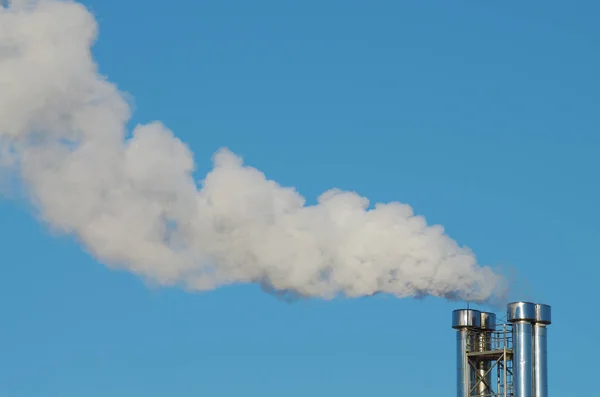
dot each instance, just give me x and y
(488, 321)
(466, 318)
(543, 314)
(521, 311)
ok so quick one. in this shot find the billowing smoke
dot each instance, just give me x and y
(132, 201)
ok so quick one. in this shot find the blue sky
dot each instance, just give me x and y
(481, 116)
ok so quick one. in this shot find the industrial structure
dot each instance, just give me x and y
(507, 359)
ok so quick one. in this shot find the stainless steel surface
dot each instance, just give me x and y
(484, 355)
(540, 350)
(466, 318)
(465, 321)
(484, 387)
(488, 321)
(521, 311)
(543, 314)
(522, 358)
(540, 361)
(463, 372)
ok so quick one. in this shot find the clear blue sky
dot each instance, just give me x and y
(482, 115)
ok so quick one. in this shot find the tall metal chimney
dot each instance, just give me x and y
(462, 321)
(540, 355)
(484, 378)
(522, 315)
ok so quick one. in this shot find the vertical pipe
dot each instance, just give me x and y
(504, 369)
(485, 377)
(522, 359)
(482, 367)
(464, 321)
(540, 348)
(540, 373)
(522, 315)
(488, 325)
(462, 366)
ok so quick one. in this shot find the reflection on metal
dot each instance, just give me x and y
(462, 321)
(540, 365)
(522, 315)
(488, 324)
(520, 311)
(462, 370)
(484, 351)
(502, 360)
(540, 356)
(466, 318)
(523, 359)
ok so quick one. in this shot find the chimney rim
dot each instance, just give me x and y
(521, 311)
(543, 314)
(466, 318)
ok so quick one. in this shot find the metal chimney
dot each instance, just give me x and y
(502, 360)
(463, 321)
(540, 355)
(522, 315)
(484, 378)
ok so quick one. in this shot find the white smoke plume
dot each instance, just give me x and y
(131, 200)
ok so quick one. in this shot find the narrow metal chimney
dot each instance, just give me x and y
(522, 315)
(540, 346)
(463, 321)
(484, 378)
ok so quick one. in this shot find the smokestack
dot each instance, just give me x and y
(488, 325)
(515, 353)
(540, 355)
(463, 321)
(130, 197)
(522, 315)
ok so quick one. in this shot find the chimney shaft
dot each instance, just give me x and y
(522, 315)
(488, 325)
(462, 321)
(540, 355)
